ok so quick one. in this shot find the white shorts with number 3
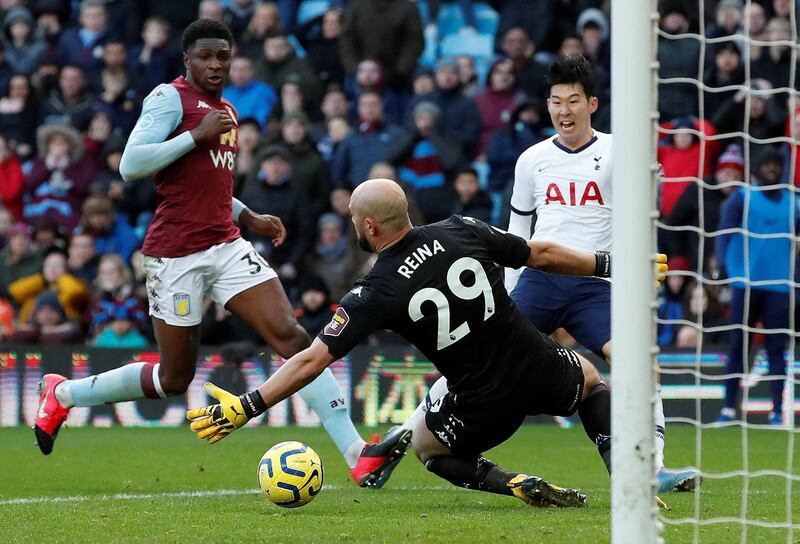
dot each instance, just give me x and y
(175, 286)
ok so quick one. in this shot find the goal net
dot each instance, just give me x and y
(725, 126)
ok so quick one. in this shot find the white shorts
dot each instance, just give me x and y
(176, 286)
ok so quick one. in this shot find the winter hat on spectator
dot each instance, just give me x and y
(275, 150)
(312, 282)
(426, 106)
(19, 228)
(46, 132)
(678, 262)
(731, 159)
(330, 217)
(595, 16)
(50, 298)
(18, 13)
(423, 71)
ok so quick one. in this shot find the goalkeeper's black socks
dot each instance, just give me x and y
(253, 404)
(595, 413)
(472, 473)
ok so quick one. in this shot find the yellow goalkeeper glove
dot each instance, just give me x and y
(661, 268)
(216, 421)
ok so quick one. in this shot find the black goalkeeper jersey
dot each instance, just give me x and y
(440, 287)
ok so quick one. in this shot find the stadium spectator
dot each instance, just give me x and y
(727, 20)
(154, 61)
(498, 101)
(59, 179)
(48, 323)
(680, 157)
(250, 141)
(19, 115)
(766, 262)
(425, 157)
(280, 64)
(757, 29)
(118, 99)
(7, 220)
(118, 318)
(677, 58)
(472, 200)
(766, 116)
(46, 236)
(517, 45)
(592, 29)
(506, 144)
(18, 258)
(369, 143)
(389, 31)
(309, 173)
(774, 65)
(211, 9)
(54, 277)
(541, 29)
(112, 233)
(338, 129)
(700, 303)
(384, 170)
(270, 190)
(82, 257)
(21, 46)
(333, 258)
(83, 45)
(369, 77)
(468, 76)
(315, 309)
(115, 57)
(424, 83)
(264, 21)
(320, 38)
(12, 180)
(69, 103)
(459, 117)
(291, 100)
(334, 104)
(725, 70)
(250, 97)
(670, 301)
(237, 15)
(687, 211)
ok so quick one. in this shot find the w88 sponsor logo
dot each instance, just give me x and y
(222, 159)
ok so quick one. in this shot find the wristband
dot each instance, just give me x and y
(602, 266)
(253, 404)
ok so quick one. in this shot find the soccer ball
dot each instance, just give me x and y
(290, 474)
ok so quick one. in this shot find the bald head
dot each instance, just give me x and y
(383, 200)
(380, 214)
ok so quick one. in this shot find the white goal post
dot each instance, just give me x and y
(633, 110)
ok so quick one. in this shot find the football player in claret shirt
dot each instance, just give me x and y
(440, 287)
(186, 137)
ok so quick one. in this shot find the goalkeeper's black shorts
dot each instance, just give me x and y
(470, 424)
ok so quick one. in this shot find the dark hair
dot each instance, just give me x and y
(572, 70)
(467, 170)
(205, 28)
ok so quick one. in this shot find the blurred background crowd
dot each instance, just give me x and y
(440, 95)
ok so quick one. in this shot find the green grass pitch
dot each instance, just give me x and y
(136, 485)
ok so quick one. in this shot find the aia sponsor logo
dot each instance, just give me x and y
(573, 195)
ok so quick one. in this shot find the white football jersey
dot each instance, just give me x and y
(570, 192)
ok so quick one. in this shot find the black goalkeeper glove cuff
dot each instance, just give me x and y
(253, 404)
(602, 264)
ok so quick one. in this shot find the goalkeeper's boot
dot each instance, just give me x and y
(726, 416)
(775, 419)
(51, 414)
(378, 458)
(671, 481)
(542, 494)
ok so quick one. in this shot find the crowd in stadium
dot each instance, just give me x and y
(441, 96)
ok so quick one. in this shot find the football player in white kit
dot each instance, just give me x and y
(566, 181)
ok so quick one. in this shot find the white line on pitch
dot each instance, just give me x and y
(175, 494)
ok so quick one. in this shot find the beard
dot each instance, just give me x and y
(363, 243)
